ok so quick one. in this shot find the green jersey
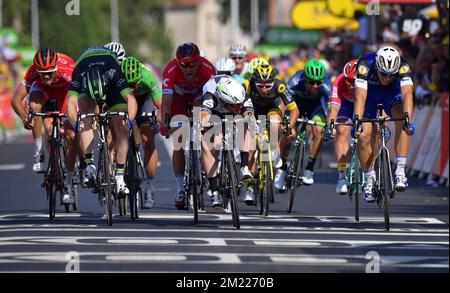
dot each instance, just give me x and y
(148, 87)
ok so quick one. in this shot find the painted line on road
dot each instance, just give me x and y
(189, 258)
(12, 167)
(243, 231)
(214, 242)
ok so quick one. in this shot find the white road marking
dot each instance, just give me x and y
(243, 231)
(12, 167)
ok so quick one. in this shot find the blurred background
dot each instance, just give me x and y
(286, 32)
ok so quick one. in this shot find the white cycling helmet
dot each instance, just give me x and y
(118, 49)
(238, 50)
(230, 91)
(225, 65)
(388, 60)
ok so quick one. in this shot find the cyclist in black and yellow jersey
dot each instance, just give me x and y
(270, 99)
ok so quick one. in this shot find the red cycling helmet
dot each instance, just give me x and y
(188, 53)
(350, 69)
(46, 60)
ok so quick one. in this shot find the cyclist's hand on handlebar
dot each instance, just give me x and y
(27, 125)
(409, 128)
(164, 131)
(293, 134)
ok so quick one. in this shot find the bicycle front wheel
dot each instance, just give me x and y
(233, 194)
(385, 186)
(294, 173)
(106, 182)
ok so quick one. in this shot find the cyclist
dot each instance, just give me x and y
(118, 49)
(98, 78)
(238, 53)
(148, 95)
(183, 81)
(223, 96)
(383, 77)
(342, 107)
(48, 77)
(270, 98)
(311, 90)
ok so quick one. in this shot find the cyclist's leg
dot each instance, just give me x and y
(86, 136)
(37, 98)
(402, 141)
(210, 153)
(342, 145)
(317, 115)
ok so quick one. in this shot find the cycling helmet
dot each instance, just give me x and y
(96, 85)
(388, 60)
(230, 91)
(46, 60)
(238, 50)
(350, 69)
(132, 70)
(188, 53)
(225, 66)
(265, 73)
(315, 70)
(255, 63)
(118, 49)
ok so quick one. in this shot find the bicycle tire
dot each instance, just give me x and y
(52, 181)
(297, 162)
(384, 186)
(266, 193)
(106, 185)
(233, 188)
(131, 178)
(193, 184)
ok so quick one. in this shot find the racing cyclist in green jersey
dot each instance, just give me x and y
(148, 95)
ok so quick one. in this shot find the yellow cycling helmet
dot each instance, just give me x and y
(265, 73)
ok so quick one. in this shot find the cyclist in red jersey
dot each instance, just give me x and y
(342, 104)
(47, 81)
(183, 81)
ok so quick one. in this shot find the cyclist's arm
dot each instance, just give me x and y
(362, 85)
(166, 105)
(291, 106)
(132, 105)
(208, 104)
(407, 88)
(336, 102)
(72, 107)
(16, 103)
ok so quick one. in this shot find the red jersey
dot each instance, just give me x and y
(174, 82)
(339, 91)
(63, 74)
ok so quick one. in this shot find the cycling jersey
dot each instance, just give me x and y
(60, 86)
(214, 105)
(273, 101)
(389, 95)
(342, 98)
(183, 91)
(309, 104)
(106, 61)
(148, 87)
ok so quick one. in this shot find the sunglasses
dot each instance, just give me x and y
(188, 65)
(48, 75)
(387, 75)
(266, 86)
(237, 58)
(313, 82)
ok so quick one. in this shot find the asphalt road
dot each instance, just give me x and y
(319, 236)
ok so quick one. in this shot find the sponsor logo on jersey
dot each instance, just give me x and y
(404, 69)
(281, 88)
(363, 70)
(165, 82)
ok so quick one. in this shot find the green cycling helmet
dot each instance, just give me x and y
(315, 70)
(132, 69)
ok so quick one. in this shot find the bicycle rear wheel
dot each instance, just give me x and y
(52, 183)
